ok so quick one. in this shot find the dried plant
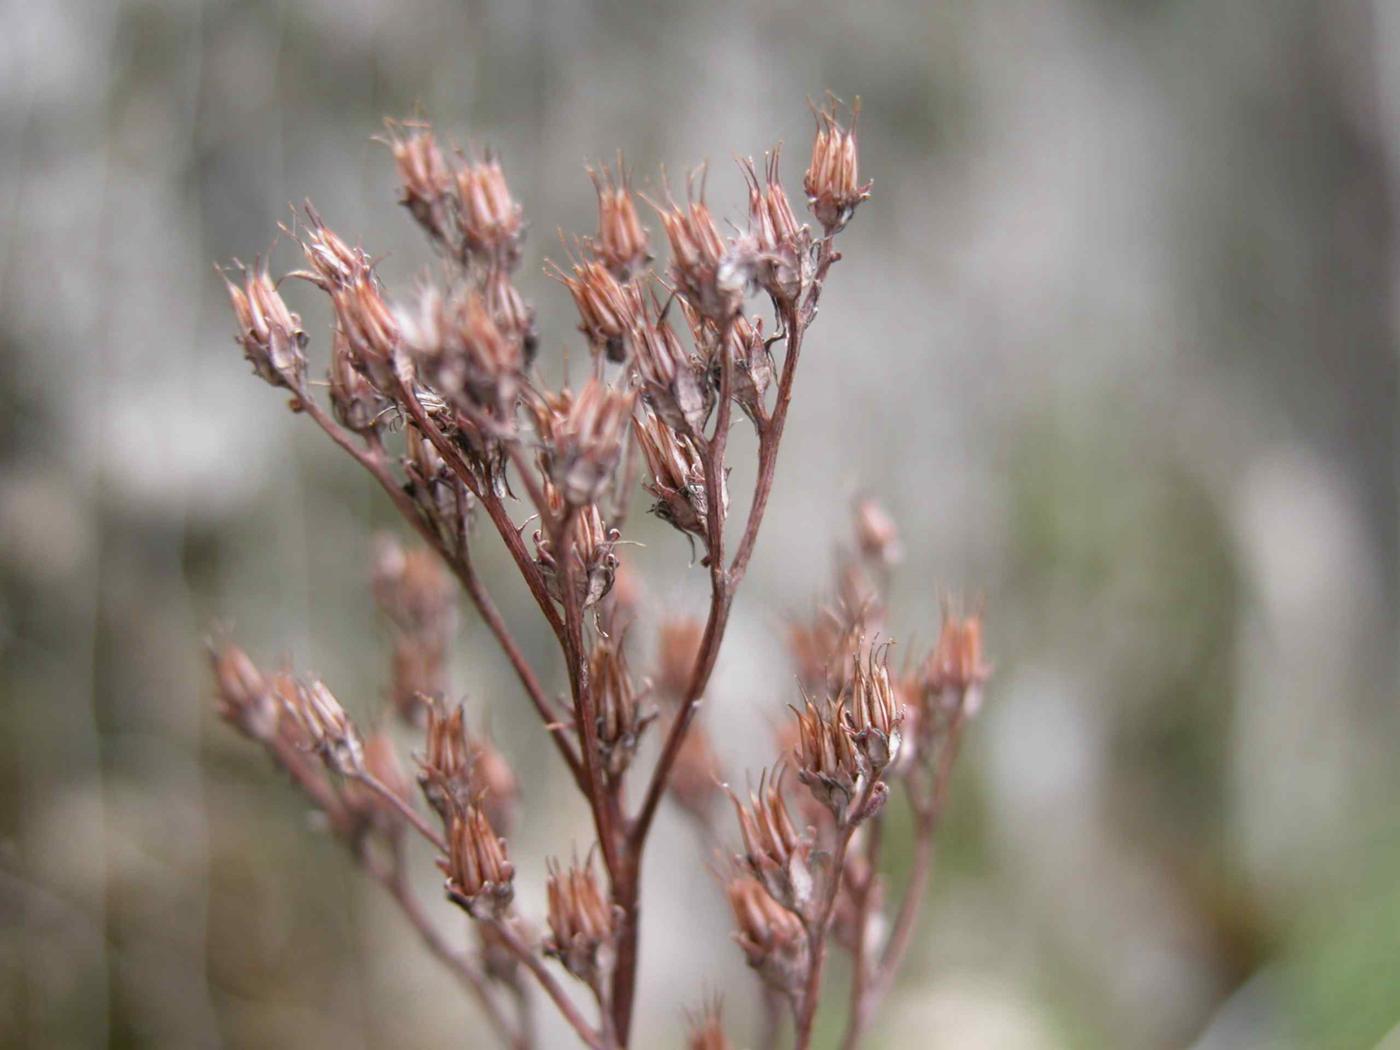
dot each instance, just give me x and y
(437, 398)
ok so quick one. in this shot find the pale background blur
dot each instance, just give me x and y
(1116, 340)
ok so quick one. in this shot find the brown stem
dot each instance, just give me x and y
(796, 318)
(391, 878)
(928, 815)
(531, 962)
(860, 964)
(373, 460)
(585, 713)
(805, 1012)
(627, 888)
(393, 881)
(472, 583)
(404, 809)
(495, 510)
(721, 596)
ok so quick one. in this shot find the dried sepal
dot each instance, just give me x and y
(328, 729)
(677, 475)
(480, 877)
(462, 352)
(269, 333)
(582, 923)
(782, 243)
(607, 308)
(774, 940)
(593, 546)
(245, 700)
(775, 853)
(491, 222)
(426, 181)
(621, 243)
(673, 380)
(832, 181)
(702, 267)
(706, 1028)
(582, 437)
(622, 715)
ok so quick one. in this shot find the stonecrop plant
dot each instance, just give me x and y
(436, 397)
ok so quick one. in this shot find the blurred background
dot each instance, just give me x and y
(1115, 341)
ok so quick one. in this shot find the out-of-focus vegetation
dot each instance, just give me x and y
(1116, 343)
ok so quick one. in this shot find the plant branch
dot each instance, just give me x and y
(928, 814)
(404, 809)
(818, 924)
(394, 882)
(552, 988)
(860, 963)
(374, 461)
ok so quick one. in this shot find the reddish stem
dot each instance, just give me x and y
(373, 460)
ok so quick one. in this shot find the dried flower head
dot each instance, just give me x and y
(494, 782)
(244, 698)
(362, 317)
(462, 353)
(328, 729)
(425, 179)
(876, 534)
(581, 922)
(677, 475)
(270, 334)
(458, 769)
(700, 267)
(782, 243)
(828, 762)
(382, 763)
(816, 647)
(582, 437)
(479, 873)
(513, 316)
(413, 590)
(773, 939)
(874, 715)
(621, 244)
(357, 404)
(622, 718)
(607, 308)
(707, 1029)
(593, 545)
(753, 367)
(672, 379)
(832, 181)
(445, 767)
(956, 670)
(775, 853)
(439, 494)
(492, 223)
